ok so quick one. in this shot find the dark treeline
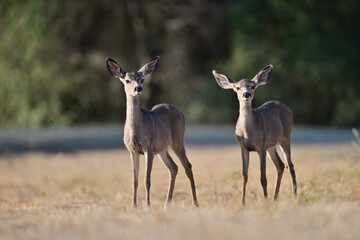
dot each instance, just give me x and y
(52, 52)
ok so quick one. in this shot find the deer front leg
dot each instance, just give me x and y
(135, 174)
(263, 180)
(245, 170)
(149, 156)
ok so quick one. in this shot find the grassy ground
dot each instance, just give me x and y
(87, 195)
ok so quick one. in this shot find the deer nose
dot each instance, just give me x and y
(247, 95)
(138, 89)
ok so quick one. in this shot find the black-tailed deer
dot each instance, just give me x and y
(261, 129)
(151, 132)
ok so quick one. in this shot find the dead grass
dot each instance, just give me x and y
(87, 195)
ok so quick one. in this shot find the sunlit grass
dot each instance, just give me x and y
(87, 195)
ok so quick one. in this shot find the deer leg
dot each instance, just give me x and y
(279, 167)
(263, 180)
(285, 146)
(135, 174)
(245, 170)
(149, 156)
(173, 170)
(181, 154)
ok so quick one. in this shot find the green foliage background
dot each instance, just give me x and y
(52, 55)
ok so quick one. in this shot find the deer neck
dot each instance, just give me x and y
(246, 118)
(133, 113)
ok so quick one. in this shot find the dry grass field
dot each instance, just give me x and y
(87, 195)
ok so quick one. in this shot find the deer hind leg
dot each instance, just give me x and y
(285, 147)
(173, 170)
(149, 157)
(179, 150)
(279, 167)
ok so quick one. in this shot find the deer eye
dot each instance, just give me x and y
(252, 87)
(237, 88)
(127, 81)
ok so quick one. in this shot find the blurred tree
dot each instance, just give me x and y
(52, 53)
(28, 92)
(313, 46)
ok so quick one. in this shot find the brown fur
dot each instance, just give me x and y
(261, 129)
(153, 132)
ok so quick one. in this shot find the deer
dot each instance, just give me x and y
(261, 129)
(151, 132)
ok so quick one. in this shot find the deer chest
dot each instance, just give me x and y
(246, 143)
(133, 143)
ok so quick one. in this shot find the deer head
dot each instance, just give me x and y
(132, 80)
(244, 88)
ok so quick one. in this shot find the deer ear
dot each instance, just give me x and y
(149, 68)
(114, 68)
(223, 81)
(264, 75)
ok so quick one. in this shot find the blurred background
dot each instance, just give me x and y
(52, 52)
